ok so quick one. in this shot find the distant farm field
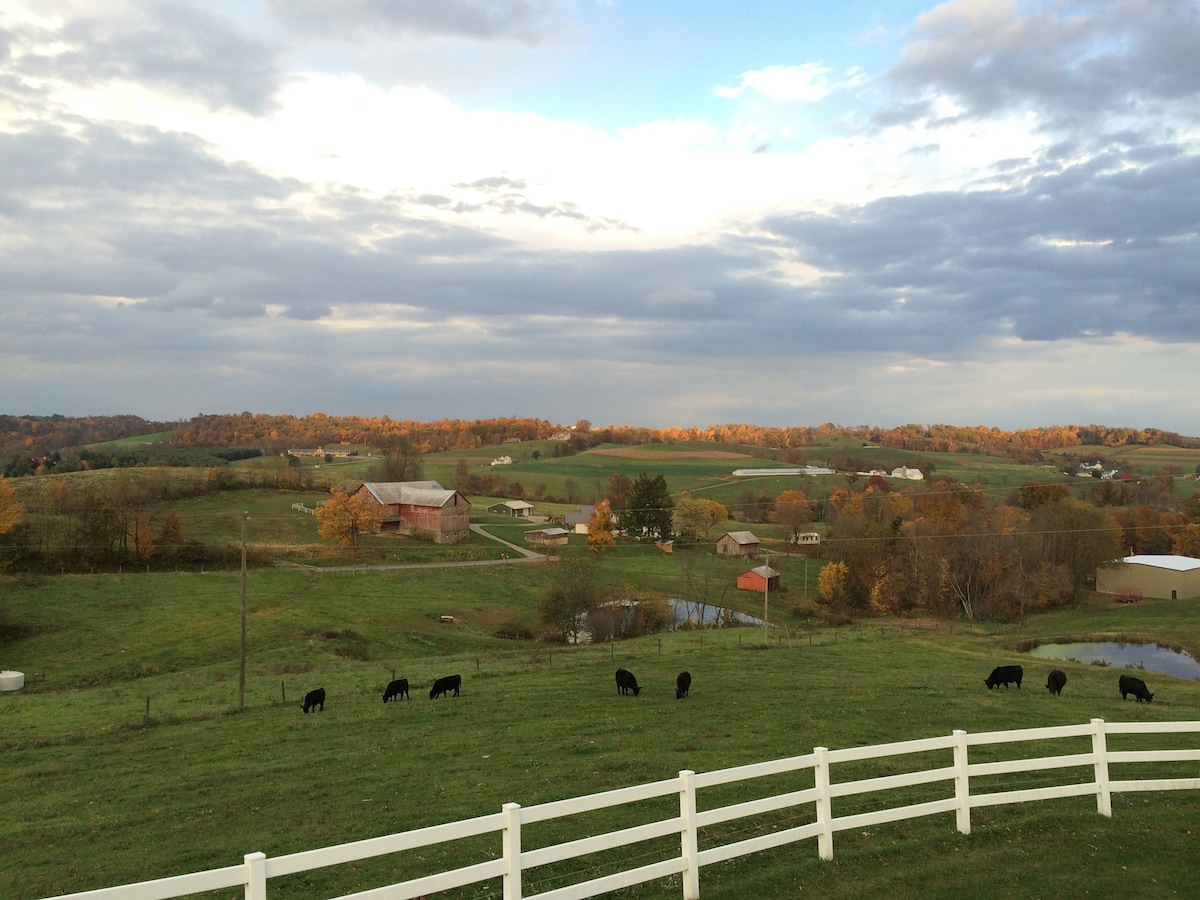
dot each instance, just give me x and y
(653, 453)
(157, 437)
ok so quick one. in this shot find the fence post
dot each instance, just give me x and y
(1100, 751)
(824, 804)
(256, 876)
(962, 785)
(688, 840)
(511, 840)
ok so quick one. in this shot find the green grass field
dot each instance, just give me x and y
(707, 471)
(129, 760)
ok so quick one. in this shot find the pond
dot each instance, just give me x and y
(708, 615)
(1151, 657)
(684, 613)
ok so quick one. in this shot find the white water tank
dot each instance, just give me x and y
(11, 681)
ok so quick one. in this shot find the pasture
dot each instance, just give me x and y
(706, 471)
(277, 530)
(129, 760)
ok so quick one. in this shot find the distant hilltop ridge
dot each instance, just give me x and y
(277, 433)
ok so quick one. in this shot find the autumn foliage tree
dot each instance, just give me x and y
(620, 486)
(11, 510)
(831, 584)
(601, 527)
(693, 518)
(346, 517)
(793, 509)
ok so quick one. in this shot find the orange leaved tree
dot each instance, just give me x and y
(346, 517)
(600, 528)
(11, 509)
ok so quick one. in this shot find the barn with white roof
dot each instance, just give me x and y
(422, 508)
(1149, 575)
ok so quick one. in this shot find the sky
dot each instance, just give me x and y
(635, 212)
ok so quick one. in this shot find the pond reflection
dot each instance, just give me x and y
(1151, 657)
(698, 614)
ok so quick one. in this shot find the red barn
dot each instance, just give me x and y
(760, 578)
(422, 509)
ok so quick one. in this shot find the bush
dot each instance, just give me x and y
(806, 609)
(514, 630)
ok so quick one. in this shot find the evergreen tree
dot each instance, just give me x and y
(649, 510)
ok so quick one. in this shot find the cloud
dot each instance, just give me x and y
(495, 183)
(1065, 255)
(805, 83)
(1075, 62)
(176, 48)
(525, 21)
(199, 207)
(680, 298)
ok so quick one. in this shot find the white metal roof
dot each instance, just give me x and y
(415, 493)
(764, 571)
(1176, 563)
(742, 537)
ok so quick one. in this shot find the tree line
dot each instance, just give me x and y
(33, 437)
(950, 550)
(123, 519)
(86, 459)
(39, 435)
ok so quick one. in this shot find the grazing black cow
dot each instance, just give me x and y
(396, 690)
(1055, 681)
(314, 699)
(1135, 686)
(444, 685)
(626, 682)
(683, 682)
(1005, 675)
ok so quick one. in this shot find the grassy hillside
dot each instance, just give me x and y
(157, 437)
(99, 792)
(707, 470)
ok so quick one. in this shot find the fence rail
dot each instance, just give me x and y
(514, 860)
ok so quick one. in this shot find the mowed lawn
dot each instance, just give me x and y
(129, 760)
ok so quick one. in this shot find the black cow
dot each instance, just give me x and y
(396, 690)
(626, 682)
(1056, 681)
(314, 699)
(683, 682)
(1135, 686)
(444, 685)
(1005, 675)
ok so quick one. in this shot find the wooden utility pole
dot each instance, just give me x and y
(766, 590)
(242, 655)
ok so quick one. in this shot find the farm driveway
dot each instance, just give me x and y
(525, 555)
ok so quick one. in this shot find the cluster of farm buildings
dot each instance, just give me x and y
(426, 509)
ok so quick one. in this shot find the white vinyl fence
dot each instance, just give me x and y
(818, 802)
